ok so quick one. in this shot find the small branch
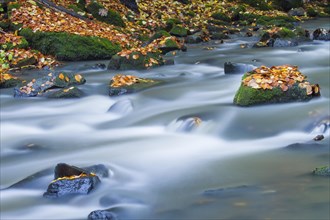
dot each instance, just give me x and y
(2, 32)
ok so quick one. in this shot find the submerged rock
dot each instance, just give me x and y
(71, 180)
(237, 68)
(231, 191)
(39, 86)
(322, 171)
(277, 84)
(318, 137)
(101, 215)
(122, 107)
(125, 84)
(7, 80)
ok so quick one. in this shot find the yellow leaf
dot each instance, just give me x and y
(136, 56)
(61, 76)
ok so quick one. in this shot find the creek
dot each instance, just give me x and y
(161, 169)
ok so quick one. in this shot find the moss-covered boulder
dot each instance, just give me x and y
(278, 84)
(7, 80)
(221, 16)
(135, 60)
(126, 84)
(179, 31)
(70, 47)
(322, 171)
(102, 14)
(40, 86)
(282, 37)
(159, 34)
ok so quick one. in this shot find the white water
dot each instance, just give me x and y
(160, 166)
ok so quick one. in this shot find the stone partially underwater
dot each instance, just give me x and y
(278, 84)
(126, 84)
(71, 180)
(45, 86)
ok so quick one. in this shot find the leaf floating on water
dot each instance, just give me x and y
(136, 56)
(78, 77)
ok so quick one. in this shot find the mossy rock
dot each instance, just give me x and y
(105, 15)
(71, 92)
(25, 62)
(136, 87)
(8, 46)
(322, 171)
(179, 31)
(311, 12)
(8, 81)
(248, 96)
(220, 16)
(122, 63)
(170, 23)
(159, 34)
(70, 47)
(286, 5)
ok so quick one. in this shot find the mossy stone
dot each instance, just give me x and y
(70, 47)
(72, 92)
(105, 15)
(159, 34)
(179, 31)
(25, 62)
(322, 171)
(136, 87)
(220, 16)
(122, 63)
(9, 83)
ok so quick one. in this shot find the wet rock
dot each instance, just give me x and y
(101, 215)
(99, 169)
(237, 68)
(321, 34)
(25, 62)
(285, 43)
(297, 12)
(136, 61)
(71, 92)
(126, 84)
(322, 171)
(38, 87)
(7, 80)
(231, 191)
(277, 84)
(319, 137)
(195, 38)
(321, 126)
(71, 180)
(186, 124)
(305, 146)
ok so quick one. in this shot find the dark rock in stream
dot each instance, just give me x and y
(237, 68)
(231, 191)
(297, 12)
(322, 171)
(321, 34)
(319, 137)
(38, 87)
(71, 180)
(126, 84)
(72, 92)
(101, 215)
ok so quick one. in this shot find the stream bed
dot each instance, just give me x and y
(239, 163)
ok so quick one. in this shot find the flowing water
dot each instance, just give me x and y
(161, 165)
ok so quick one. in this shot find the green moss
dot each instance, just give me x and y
(258, 4)
(220, 16)
(311, 12)
(160, 34)
(75, 8)
(22, 45)
(247, 96)
(109, 16)
(286, 33)
(15, 5)
(70, 47)
(179, 31)
(170, 23)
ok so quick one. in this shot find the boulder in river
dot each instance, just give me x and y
(71, 92)
(125, 84)
(101, 215)
(71, 180)
(39, 86)
(321, 34)
(297, 12)
(322, 171)
(277, 84)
